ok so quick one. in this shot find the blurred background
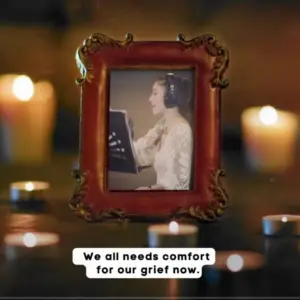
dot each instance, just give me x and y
(39, 129)
(40, 37)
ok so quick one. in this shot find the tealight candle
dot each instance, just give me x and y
(236, 261)
(233, 267)
(28, 191)
(27, 119)
(281, 225)
(270, 138)
(172, 235)
(30, 244)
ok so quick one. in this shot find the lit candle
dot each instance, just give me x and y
(23, 191)
(30, 245)
(172, 235)
(270, 138)
(27, 117)
(281, 225)
(236, 261)
(232, 267)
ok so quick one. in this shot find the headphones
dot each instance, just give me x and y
(172, 95)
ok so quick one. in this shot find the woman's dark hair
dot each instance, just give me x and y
(178, 90)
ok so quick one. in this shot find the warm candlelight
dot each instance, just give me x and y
(236, 261)
(172, 235)
(27, 116)
(270, 138)
(28, 190)
(282, 225)
(29, 239)
(233, 267)
(30, 244)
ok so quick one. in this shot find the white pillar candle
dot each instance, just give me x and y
(281, 225)
(270, 137)
(30, 245)
(27, 117)
(172, 235)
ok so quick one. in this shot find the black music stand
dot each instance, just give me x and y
(121, 150)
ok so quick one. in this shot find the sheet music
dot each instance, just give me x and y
(122, 157)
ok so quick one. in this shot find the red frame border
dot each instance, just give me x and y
(92, 200)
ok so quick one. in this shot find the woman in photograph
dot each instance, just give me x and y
(168, 146)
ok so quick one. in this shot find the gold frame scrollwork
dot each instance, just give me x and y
(93, 44)
(213, 210)
(96, 41)
(218, 193)
(84, 210)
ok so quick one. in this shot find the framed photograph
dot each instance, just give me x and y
(150, 129)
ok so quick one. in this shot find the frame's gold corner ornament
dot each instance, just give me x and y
(76, 203)
(84, 210)
(92, 44)
(214, 48)
(216, 207)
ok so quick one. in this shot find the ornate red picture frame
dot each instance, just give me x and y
(170, 169)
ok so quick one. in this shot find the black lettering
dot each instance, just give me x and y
(104, 270)
(196, 257)
(160, 270)
(184, 270)
(182, 257)
(88, 256)
(129, 270)
(155, 257)
(165, 257)
(97, 257)
(108, 257)
(133, 257)
(112, 256)
(207, 256)
(141, 257)
(144, 272)
(192, 270)
(149, 256)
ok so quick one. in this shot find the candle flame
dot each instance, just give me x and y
(29, 186)
(268, 115)
(23, 88)
(174, 227)
(29, 240)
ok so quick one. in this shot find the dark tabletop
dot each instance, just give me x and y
(252, 196)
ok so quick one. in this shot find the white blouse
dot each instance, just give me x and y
(169, 151)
